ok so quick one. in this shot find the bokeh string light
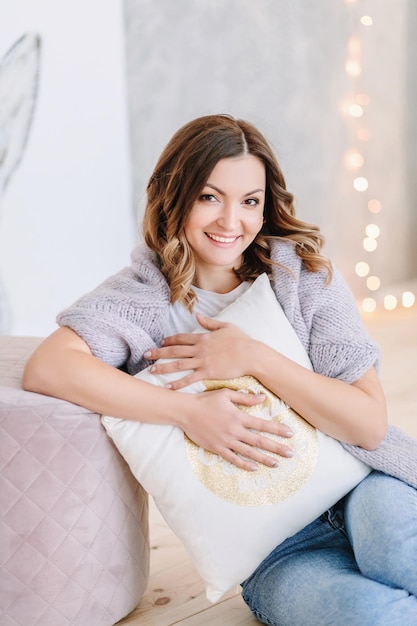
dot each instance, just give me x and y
(356, 110)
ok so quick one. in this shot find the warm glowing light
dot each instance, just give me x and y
(373, 231)
(356, 110)
(390, 302)
(360, 184)
(354, 46)
(374, 206)
(408, 299)
(354, 159)
(373, 283)
(351, 1)
(353, 68)
(368, 305)
(363, 134)
(362, 99)
(362, 268)
(370, 244)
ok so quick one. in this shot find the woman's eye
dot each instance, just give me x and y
(252, 201)
(207, 197)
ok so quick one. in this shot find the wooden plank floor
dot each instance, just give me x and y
(175, 594)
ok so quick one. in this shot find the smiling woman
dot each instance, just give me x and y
(184, 173)
(218, 220)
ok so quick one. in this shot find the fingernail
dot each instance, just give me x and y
(152, 368)
(147, 354)
(274, 464)
(289, 433)
(253, 467)
(288, 453)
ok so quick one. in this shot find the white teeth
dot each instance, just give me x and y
(221, 239)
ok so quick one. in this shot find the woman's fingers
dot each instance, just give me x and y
(259, 435)
(254, 437)
(247, 457)
(261, 443)
(171, 352)
(221, 425)
(241, 462)
(210, 323)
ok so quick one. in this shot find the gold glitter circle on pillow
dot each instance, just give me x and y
(267, 485)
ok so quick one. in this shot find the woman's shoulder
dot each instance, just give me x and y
(291, 280)
(124, 315)
(283, 251)
(141, 279)
(144, 265)
(133, 289)
(293, 276)
(325, 315)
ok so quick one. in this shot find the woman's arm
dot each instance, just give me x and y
(354, 413)
(63, 366)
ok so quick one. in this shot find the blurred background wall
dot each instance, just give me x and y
(66, 218)
(333, 85)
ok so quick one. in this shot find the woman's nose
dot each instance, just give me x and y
(228, 217)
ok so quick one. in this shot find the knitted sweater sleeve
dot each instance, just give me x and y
(325, 317)
(124, 316)
(328, 323)
(339, 343)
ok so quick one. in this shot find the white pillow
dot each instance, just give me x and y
(230, 519)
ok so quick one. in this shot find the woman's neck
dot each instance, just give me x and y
(219, 282)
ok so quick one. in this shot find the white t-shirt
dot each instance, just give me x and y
(209, 303)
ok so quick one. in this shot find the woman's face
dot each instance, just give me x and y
(227, 215)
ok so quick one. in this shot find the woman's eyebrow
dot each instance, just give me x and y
(222, 193)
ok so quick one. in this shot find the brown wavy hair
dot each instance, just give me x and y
(178, 178)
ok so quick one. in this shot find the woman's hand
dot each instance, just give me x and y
(218, 354)
(218, 425)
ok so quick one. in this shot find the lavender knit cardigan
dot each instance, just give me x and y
(128, 314)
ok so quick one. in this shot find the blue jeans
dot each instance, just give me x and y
(356, 564)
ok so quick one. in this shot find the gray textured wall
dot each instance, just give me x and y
(280, 64)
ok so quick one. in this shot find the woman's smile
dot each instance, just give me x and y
(222, 238)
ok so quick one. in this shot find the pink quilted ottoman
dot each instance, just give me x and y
(74, 543)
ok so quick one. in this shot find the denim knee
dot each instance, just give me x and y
(381, 522)
(314, 578)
